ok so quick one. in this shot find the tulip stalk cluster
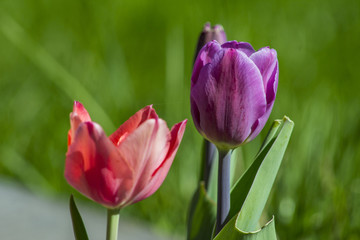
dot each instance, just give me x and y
(233, 89)
(209, 150)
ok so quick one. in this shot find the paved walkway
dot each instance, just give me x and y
(28, 217)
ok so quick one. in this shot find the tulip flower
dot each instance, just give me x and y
(126, 167)
(233, 89)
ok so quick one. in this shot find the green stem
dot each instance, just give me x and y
(112, 224)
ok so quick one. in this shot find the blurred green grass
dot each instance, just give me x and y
(118, 56)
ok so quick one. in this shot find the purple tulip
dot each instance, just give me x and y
(233, 89)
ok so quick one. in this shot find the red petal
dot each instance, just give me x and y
(177, 132)
(159, 174)
(144, 150)
(80, 110)
(132, 123)
(94, 167)
(77, 116)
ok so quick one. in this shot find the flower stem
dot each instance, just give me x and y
(223, 197)
(209, 151)
(112, 224)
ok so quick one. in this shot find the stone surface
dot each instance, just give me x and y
(27, 216)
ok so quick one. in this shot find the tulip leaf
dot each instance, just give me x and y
(250, 193)
(202, 215)
(271, 134)
(231, 232)
(78, 225)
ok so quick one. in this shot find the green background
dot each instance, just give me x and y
(119, 56)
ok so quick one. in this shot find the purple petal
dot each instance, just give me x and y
(241, 46)
(259, 124)
(266, 60)
(205, 56)
(272, 86)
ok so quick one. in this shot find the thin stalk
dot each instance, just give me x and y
(223, 199)
(209, 151)
(112, 224)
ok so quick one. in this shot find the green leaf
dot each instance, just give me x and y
(271, 134)
(78, 225)
(231, 232)
(250, 193)
(202, 215)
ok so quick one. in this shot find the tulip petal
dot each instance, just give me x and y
(158, 176)
(78, 115)
(259, 125)
(266, 60)
(93, 166)
(176, 134)
(230, 97)
(132, 123)
(144, 149)
(205, 56)
(272, 86)
(270, 99)
(241, 46)
(74, 172)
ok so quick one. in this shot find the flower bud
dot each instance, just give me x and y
(233, 89)
(210, 33)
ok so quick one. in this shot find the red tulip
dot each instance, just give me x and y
(126, 167)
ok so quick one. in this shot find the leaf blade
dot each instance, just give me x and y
(264, 178)
(231, 232)
(77, 222)
(202, 215)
